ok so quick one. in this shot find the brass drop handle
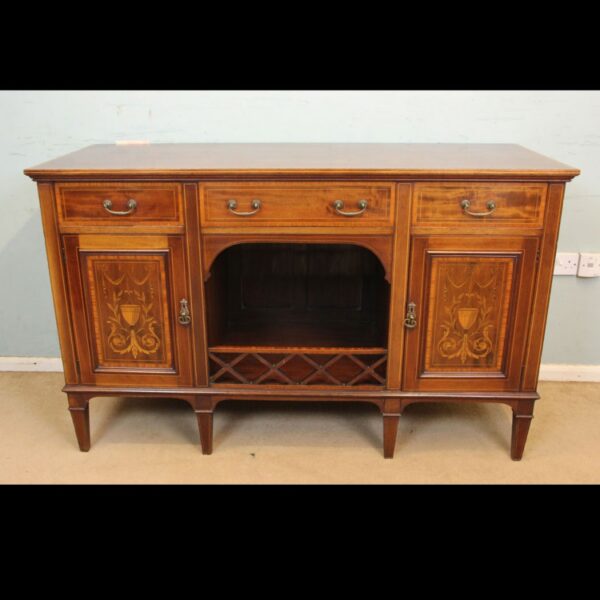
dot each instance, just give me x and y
(131, 206)
(184, 313)
(410, 322)
(232, 205)
(338, 206)
(465, 204)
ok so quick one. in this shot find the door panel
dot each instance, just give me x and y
(126, 299)
(469, 301)
(472, 299)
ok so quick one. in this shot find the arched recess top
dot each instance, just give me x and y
(380, 246)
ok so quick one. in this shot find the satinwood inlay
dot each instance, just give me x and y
(298, 264)
(468, 322)
(131, 323)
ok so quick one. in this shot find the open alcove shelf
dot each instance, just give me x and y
(380, 273)
(297, 314)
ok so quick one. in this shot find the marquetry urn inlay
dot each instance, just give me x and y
(469, 299)
(380, 273)
(130, 310)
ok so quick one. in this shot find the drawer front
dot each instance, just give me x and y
(119, 204)
(461, 204)
(297, 204)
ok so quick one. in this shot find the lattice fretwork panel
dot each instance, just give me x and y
(297, 368)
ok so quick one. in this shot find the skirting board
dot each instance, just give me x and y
(547, 372)
(30, 363)
(569, 372)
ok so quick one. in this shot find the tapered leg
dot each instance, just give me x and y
(79, 407)
(390, 431)
(205, 425)
(522, 416)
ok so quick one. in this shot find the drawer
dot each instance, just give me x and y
(458, 204)
(297, 204)
(119, 204)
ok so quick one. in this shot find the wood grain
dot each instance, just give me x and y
(79, 408)
(58, 282)
(437, 204)
(398, 286)
(215, 243)
(301, 303)
(522, 416)
(288, 204)
(162, 262)
(390, 430)
(296, 349)
(197, 292)
(301, 367)
(80, 204)
(539, 309)
(396, 161)
(131, 317)
(473, 298)
(303, 294)
(469, 302)
(302, 393)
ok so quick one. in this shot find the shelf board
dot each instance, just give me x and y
(318, 333)
(296, 350)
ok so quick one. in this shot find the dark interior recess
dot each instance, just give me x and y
(308, 295)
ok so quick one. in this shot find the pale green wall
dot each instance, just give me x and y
(37, 126)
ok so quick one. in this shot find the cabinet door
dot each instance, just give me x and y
(472, 300)
(126, 294)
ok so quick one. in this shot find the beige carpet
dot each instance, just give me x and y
(156, 441)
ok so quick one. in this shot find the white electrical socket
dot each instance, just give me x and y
(589, 265)
(566, 263)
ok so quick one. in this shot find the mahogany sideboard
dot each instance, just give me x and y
(384, 273)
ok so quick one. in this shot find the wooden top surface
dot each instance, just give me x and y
(303, 160)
